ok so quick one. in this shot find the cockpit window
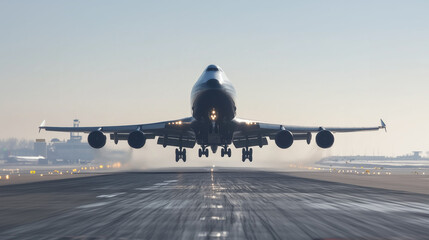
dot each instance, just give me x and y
(212, 69)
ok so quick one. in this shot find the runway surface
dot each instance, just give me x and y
(208, 205)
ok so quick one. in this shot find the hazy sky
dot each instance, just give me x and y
(330, 63)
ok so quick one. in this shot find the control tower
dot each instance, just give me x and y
(74, 136)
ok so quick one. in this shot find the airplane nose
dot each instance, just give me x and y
(213, 83)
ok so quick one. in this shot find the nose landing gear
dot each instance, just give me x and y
(247, 153)
(180, 154)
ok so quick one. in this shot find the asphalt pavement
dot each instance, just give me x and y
(206, 204)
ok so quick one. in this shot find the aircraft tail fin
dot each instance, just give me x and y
(42, 125)
(383, 125)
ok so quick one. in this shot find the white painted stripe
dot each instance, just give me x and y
(171, 181)
(213, 234)
(213, 218)
(147, 188)
(110, 195)
(161, 184)
(213, 206)
(92, 205)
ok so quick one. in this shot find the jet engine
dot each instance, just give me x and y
(325, 139)
(284, 139)
(136, 139)
(96, 139)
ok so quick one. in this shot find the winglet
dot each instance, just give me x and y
(42, 125)
(383, 125)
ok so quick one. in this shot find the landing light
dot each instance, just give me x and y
(213, 114)
(175, 123)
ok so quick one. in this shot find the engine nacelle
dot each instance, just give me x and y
(136, 139)
(284, 139)
(325, 139)
(96, 139)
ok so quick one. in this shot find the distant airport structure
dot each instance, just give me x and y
(416, 155)
(70, 151)
(414, 160)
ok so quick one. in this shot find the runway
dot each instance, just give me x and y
(208, 205)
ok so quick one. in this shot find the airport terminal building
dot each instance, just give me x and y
(56, 151)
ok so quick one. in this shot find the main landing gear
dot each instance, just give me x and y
(180, 154)
(247, 154)
(203, 151)
(225, 151)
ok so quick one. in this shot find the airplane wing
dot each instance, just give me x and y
(253, 133)
(170, 133)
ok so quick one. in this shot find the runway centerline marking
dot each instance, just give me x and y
(213, 234)
(213, 206)
(210, 196)
(215, 218)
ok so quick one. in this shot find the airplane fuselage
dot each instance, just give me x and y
(213, 90)
(213, 107)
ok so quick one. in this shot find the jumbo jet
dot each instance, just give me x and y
(213, 124)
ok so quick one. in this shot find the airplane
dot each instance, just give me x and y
(213, 124)
(26, 159)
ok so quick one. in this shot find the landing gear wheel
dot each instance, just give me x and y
(247, 154)
(225, 151)
(200, 153)
(180, 154)
(250, 155)
(184, 155)
(206, 152)
(177, 155)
